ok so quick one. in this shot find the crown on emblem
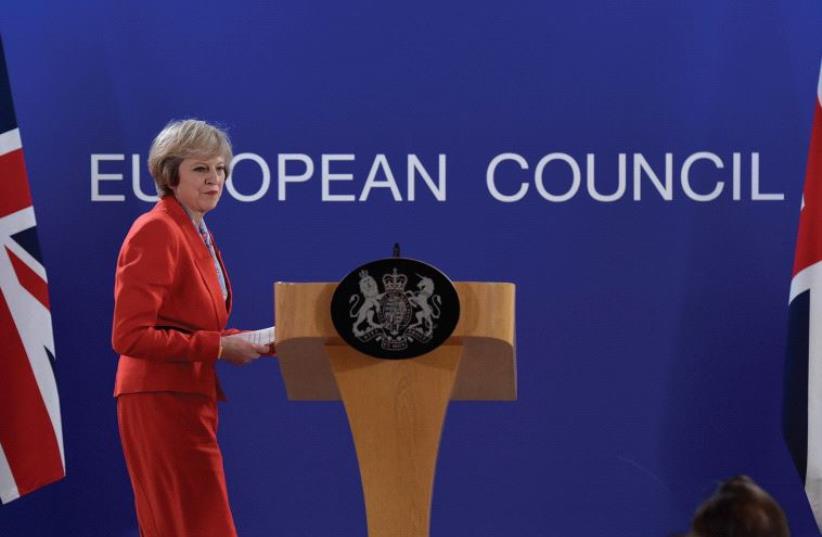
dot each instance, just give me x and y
(363, 274)
(394, 281)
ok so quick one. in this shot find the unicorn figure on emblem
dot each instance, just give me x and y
(427, 313)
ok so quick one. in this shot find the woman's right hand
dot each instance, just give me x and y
(238, 351)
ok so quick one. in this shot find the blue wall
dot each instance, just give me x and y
(651, 332)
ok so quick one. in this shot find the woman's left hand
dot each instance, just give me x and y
(238, 351)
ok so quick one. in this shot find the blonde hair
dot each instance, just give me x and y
(182, 139)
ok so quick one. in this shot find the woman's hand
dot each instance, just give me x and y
(239, 351)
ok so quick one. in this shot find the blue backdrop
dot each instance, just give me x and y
(651, 331)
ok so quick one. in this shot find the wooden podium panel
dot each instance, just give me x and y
(485, 330)
(396, 408)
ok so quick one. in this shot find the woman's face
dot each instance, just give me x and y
(201, 184)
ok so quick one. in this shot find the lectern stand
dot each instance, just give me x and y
(396, 408)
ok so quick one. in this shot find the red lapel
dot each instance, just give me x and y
(228, 300)
(202, 257)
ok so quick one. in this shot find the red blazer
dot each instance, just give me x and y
(169, 311)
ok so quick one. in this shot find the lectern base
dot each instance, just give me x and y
(396, 409)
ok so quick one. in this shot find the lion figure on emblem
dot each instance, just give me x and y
(371, 291)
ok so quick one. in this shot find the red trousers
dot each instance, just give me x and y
(176, 468)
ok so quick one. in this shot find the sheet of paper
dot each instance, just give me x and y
(264, 336)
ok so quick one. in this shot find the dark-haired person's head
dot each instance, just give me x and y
(739, 508)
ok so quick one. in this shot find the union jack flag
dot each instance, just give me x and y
(802, 419)
(31, 436)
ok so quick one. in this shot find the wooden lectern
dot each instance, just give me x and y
(396, 408)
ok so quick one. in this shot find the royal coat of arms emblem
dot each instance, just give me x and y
(395, 308)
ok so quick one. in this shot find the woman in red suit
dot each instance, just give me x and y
(172, 298)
